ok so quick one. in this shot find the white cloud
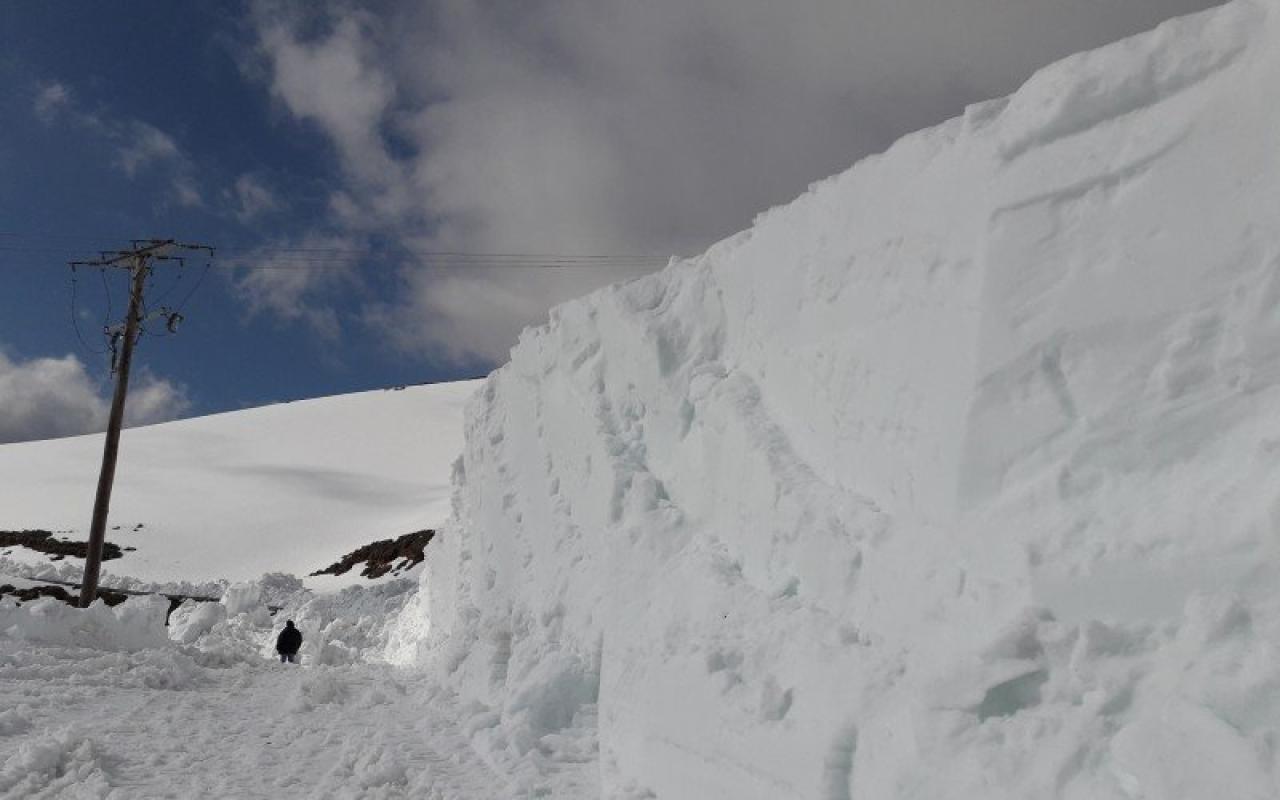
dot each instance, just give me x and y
(253, 198)
(141, 145)
(186, 192)
(294, 281)
(605, 126)
(136, 146)
(44, 398)
(459, 317)
(338, 83)
(153, 400)
(51, 99)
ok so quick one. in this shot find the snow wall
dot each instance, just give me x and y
(959, 476)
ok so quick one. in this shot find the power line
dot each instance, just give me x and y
(335, 253)
(278, 266)
(172, 287)
(254, 258)
(106, 288)
(183, 304)
(425, 260)
(268, 249)
(75, 318)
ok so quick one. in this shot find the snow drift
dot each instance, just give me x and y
(957, 477)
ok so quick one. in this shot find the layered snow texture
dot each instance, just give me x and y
(957, 477)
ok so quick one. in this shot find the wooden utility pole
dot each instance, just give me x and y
(138, 262)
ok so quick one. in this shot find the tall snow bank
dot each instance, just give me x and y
(956, 477)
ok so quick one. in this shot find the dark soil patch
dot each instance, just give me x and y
(57, 592)
(383, 556)
(109, 596)
(43, 542)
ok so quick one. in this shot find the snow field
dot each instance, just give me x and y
(286, 488)
(955, 477)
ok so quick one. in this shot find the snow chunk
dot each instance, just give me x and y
(15, 720)
(319, 687)
(64, 764)
(193, 619)
(135, 624)
(243, 598)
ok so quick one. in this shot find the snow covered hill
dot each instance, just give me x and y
(283, 488)
(957, 477)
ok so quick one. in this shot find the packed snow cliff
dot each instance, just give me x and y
(957, 477)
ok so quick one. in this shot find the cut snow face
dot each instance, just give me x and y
(956, 477)
(283, 488)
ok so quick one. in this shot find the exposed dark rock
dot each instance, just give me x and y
(27, 595)
(383, 556)
(108, 596)
(43, 542)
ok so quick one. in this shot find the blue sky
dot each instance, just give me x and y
(373, 136)
(67, 194)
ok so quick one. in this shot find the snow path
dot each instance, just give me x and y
(154, 724)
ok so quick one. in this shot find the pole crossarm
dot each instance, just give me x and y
(114, 258)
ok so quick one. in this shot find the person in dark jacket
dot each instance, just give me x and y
(288, 642)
